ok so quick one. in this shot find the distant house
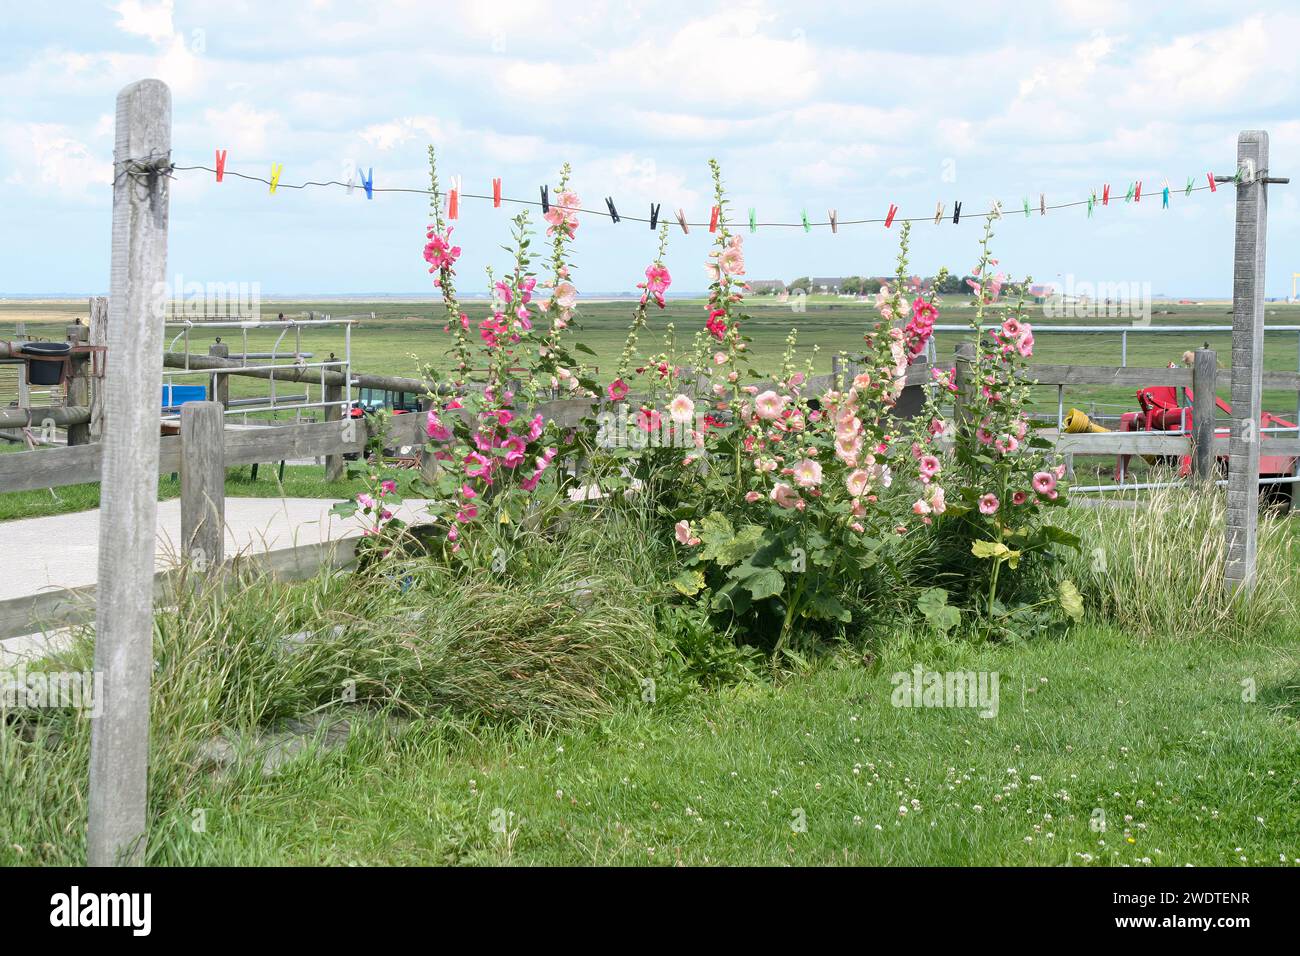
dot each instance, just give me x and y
(827, 283)
(766, 286)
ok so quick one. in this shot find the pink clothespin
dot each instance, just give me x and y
(1210, 177)
(713, 219)
(496, 193)
(453, 199)
(889, 216)
(681, 221)
(221, 164)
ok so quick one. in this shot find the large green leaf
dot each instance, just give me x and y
(765, 583)
(1071, 600)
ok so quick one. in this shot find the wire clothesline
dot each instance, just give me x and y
(997, 208)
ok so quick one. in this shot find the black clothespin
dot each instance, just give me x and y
(613, 213)
(546, 201)
(654, 215)
(956, 213)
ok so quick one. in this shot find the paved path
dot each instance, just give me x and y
(62, 551)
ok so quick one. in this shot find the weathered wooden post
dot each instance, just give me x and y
(1247, 359)
(203, 485)
(219, 390)
(119, 743)
(334, 411)
(1205, 373)
(99, 339)
(78, 393)
(964, 378)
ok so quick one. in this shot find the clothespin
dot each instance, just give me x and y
(996, 211)
(681, 221)
(807, 226)
(1137, 196)
(1026, 207)
(368, 183)
(654, 215)
(546, 200)
(496, 193)
(1190, 181)
(453, 199)
(1128, 196)
(613, 213)
(1164, 199)
(221, 164)
(1210, 177)
(938, 212)
(834, 217)
(956, 213)
(714, 213)
(1042, 204)
(889, 216)
(276, 170)
(1105, 194)
(352, 178)
(753, 220)
(1092, 200)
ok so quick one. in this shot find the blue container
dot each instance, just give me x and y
(174, 396)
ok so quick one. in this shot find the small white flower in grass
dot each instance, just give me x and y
(880, 828)
(977, 808)
(857, 822)
(559, 794)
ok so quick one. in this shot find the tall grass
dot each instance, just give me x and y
(1152, 563)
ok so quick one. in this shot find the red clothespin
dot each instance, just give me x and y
(713, 218)
(835, 220)
(221, 164)
(681, 221)
(496, 193)
(889, 216)
(1105, 194)
(453, 200)
(1210, 177)
(1137, 195)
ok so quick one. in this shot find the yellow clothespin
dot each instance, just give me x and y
(938, 213)
(276, 170)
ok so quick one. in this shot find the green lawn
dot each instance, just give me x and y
(1156, 736)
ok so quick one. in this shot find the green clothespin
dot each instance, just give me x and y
(1091, 201)
(1026, 207)
(753, 220)
(1128, 196)
(807, 227)
(1165, 200)
(1189, 185)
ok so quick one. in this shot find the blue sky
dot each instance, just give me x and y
(848, 106)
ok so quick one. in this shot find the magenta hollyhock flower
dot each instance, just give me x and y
(387, 486)
(648, 420)
(435, 429)
(476, 465)
(438, 251)
(989, 504)
(657, 279)
(515, 447)
(535, 428)
(1019, 497)
(1044, 482)
(616, 390)
(365, 501)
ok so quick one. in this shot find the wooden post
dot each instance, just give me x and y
(203, 485)
(334, 464)
(1205, 371)
(1247, 360)
(78, 393)
(119, 741)
(219, 391)
(964, 373)
(98, 337)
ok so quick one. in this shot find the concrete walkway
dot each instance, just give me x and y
(62, 551)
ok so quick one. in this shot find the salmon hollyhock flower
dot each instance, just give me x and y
(989, 504)
(1044, 482)
(858, 482)
(769, 405)
(785, 496)
(684, 534)
(807, 473)
(681, 409)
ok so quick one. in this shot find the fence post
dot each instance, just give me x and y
(119, 741)
(78, 389)
(1247, 360)
(1205, 372)
(219, 390)
(964, 375)
(334, 464)
(203, 485)
(99, 339)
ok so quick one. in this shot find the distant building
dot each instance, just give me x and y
(827, 283)
(766, 286)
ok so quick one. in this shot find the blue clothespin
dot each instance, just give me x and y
(368, 182)
(1164, 201)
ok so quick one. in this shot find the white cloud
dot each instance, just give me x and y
(141, 18)
(48, 158)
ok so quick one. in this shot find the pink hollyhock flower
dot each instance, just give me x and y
(732, 259)
(435, 429)
(387, 487)
(504, 416)
(1044, 482)
(857, 526)
(476, 465)
(535, 428)
(938, 500)
(647, 419)
(752, 496)
(657, 279)
(921, 507)
(1019, 497)
(785, 496)
(1006, 444)
(769, 405)
(467, 514)
(930, 466)
(681, 410)
(1059, 471)
(989, 504)
(985, 437)
(616, 390)
(719, 358)
(716, 327)
(566, 296)
(467, 492)
(563, 211)
(807, 473)
(1011, 328)
(365, 501)
(514, 446)
(684, 536)
(1025, 344)
(438, 251)
(858, 482)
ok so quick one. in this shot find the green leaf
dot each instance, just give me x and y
(689, 582)
(345, 509)
(584, 348)
(765, 583)
(827, 607)
(933, 603)
(1071, 600)
(997, 551)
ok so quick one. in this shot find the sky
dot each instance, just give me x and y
(807, 106)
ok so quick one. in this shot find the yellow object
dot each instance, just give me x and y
(1077, 422)
(276, 170)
